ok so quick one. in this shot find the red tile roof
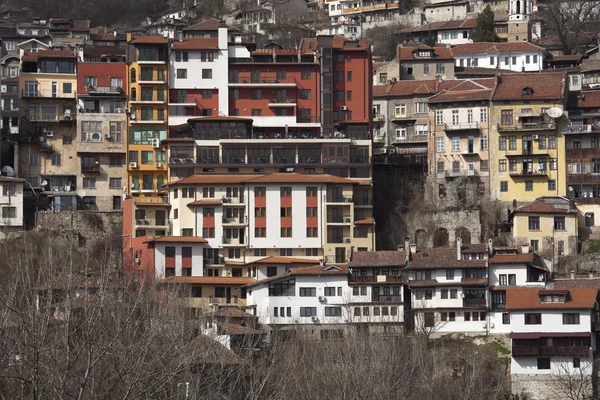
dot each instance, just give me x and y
(443, 25)
(550, 205)
(207, 280)
(316, 270)
(309, 45)
(221, 118)
(588, 98)
(205, 202)
(285, 260)
(298, 178)
(511, 258)
(405, 88)
(452, 96)
(496, 47)
(50, 54)
(196, 44)
(439, 53)
(176, 239)
(365, 221)
(211, 24)
(212, 178)
(235, 329)
(527, 299)
(442, 257)
(204, 350)
(393, 258)
(545, 85)
(593, 283)
(99, 51)
(149, 40)
(232, 312)
(151, 204)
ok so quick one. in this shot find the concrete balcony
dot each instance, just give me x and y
(530, 126)
(529, 172)
(232, 221)
(233, 242)
(101, 146)
(48, 94)
(466, 126)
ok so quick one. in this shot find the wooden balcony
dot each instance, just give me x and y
(375, 279)
(582, 351)
(583, 178)
(474, 303)
(387, 298)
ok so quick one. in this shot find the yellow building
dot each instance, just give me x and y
(527, 147)
(147, 114)
(547, 224)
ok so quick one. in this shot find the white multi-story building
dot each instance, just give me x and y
(553, 338)
(11, 204)
(516, 56)
(310, 296)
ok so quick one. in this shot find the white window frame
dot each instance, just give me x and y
(456, 144)
(91, 131)
(439, 145)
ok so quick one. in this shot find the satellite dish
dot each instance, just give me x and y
(8, 171)
(80, 192)
(132, 185)
(132, 116)
(570, 188)
(554, 112)
(44, 182)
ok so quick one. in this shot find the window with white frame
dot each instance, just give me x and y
(454, 117)
(456, 144)
(116, 128)
(483, 116)
(401, 109)
(439, 145)
(420, 130)
(10, 45)
(439, 117)
(91, 131)
(401, 133)
(420, 108)
(469, 116)
(484, 142)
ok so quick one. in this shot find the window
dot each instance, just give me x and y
(272, 271)
(330, 291)
(439, 144)
(512, 143)
(559, 223)
(535, 244)
(89, 183)
(421, 108)
(425, 69)
(444, 293)
(308, 311)
(56, 158)
(570, 318)
(439, 117)
(534, 223)
(551, 185)
(506, 117)
(576, 362)
(552, 142)
(9, 212)
(357, 311)
(333, 311)
(308, 291)
(543, 363)
(181, 73)
(207, 74)
(528, 186)
(533, 319)
(115, 183)
(9, 190)
(450, 274)
(305, 74)
(456, 144)
(455, 117)
(453, 293)
(440, 69)
(502, 143)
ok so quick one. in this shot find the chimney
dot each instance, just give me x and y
(591, 275)
(115, 33)
(413, 250)
(321, 263)
(406, 244)
(458, 248)
(525, 249)
(490, 247)
(180, 36)
(514, 204)
(572, 273)
(222, 36)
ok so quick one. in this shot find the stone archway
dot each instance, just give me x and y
(464, 234)
(440, 238)
(421, 239)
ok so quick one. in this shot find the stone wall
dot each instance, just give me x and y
(86, 224)
(537, 387)
(426, 229)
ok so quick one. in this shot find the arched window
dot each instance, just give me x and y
(133, 75)
(133, 94)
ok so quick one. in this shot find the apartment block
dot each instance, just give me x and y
(147, 122)
(528, 145)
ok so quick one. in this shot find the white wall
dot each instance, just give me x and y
(454, 37)
(16, 201)
(483, 60)
(274, 239)
(159, 259)
(496, 325)
(551, 321)
(520, 270)
(259, 296)
(558, 366)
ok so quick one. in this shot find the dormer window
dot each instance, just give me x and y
(552, 296)
(527, 91)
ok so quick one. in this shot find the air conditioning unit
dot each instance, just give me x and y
(322, 298)
(49, 134)
(314, 318)
(347, 240)
(343, 108)
(133, 164)
(158, 165)
(156, 143)
(347, 220)
(127, 110)
(96, 137)
(535, 137)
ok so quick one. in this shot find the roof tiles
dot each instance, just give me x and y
(394, 258)
(527, 299)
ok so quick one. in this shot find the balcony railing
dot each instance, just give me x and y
(376, 279)
(577, 129)
(151, 222)
(461, 172)
(90, 168)
(360, 201)
(527, 126)
(396, 298)
(233, 220)
(582, 351)
(256, 81)
(114, 90)
(282, 101)
(233, 241)
(474, 302)
(340, 199)
(498, 306)
(339, 219)
(48, 93)
(529, 172)
(461, 127)
(338, 239)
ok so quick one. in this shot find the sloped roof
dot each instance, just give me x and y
(211, 24)
(232, 312)
(207, 280)
(208, 351)
(364, 221)
(548, 205)
(405, 88)
(516, 258)
(443, 25)
(586, 98)
(196, 44)
(176, 239)
(442, 257)
(393, 258)
(295, 177)
(593, 283)
(439, 53)
(527, 299)
(317, 270)
(149, 40)
(235, 329)
(308, 45)
(545, 85)
(98, 51)
(285, 260)
(50, 54)
(212, 178)
(496, 47)
(461, 95)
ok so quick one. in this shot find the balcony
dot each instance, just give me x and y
(233, 241)
(282, 102)
(233, 221)
(582, 351)
(527, 152)
(361, 201)
(455, 173)
(529, 172)
(454, 128)
(47, 94)
(338, 199)
(397, 117)
(233, 200)
(376, 279)
(150, 222)
(498, 306)
(474, 303)
(105, 90)
(153, 200)
(360, 160)
(94, 168)
(577, 154)
(378, 117)
(528, 126)
(258, 82)
(577, 129)
(387, 298)
(339, 239)
(49, 117)
(346, 220)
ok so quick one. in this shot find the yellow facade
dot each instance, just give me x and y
(147, 117)
(527, 152)
(543, 236)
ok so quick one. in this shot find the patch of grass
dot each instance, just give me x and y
(499, 348)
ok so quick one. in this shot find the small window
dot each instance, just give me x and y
(576, 362)
(543, 363)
